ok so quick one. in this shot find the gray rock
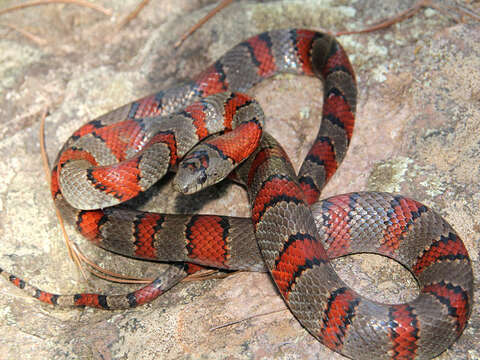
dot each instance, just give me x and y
(416, 134)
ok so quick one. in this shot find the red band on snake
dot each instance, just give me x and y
(117, 156)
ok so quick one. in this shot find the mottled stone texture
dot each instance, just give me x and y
(417, 134)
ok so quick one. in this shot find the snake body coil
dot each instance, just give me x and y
(117, 156)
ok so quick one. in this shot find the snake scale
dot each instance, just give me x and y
(117, 156)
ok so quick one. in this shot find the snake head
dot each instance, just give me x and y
(199, 169)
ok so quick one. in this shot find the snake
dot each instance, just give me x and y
(208, 129)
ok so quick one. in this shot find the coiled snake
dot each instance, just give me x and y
(115, 157)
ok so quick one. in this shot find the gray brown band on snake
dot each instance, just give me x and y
(295, 244)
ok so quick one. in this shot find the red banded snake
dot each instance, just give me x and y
(294, 244)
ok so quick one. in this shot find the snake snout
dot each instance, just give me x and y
(178, 188)
(182, 187)
(188, 181)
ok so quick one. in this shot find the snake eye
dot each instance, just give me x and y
(202, 177)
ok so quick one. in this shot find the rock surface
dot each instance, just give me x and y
(416, 134)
